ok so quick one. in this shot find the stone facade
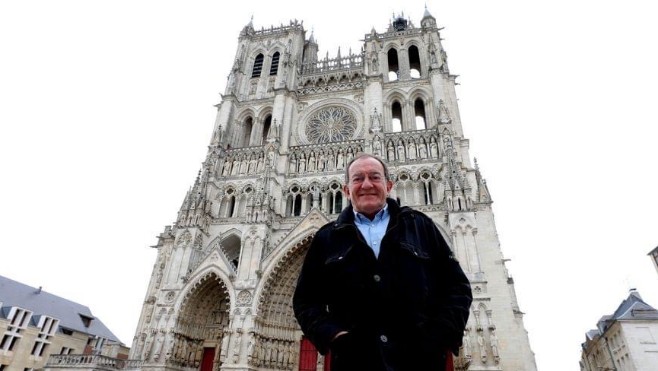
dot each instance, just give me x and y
(624, 340)
(221, 289)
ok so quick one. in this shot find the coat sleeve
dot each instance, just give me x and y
(454, 308)
(309, 300)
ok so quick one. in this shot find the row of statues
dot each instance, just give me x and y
(409, 151)
(242, 164)
(330, 160)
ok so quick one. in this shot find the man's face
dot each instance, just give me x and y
(367, 186)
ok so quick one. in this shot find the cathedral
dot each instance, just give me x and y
(289, 121)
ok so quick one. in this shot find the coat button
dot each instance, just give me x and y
(383, 338)
(376, 278)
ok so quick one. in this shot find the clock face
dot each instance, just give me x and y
(331, 124)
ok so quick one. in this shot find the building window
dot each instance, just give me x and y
(266, 128)
(393, 65)
(18, 319)
(414, 62)
(258, 66)
(396, 115)
(246, 132)
(66, 351)
(47, 328)
(419, 110)
(275, 64)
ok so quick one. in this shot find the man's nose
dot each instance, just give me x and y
(366, 183)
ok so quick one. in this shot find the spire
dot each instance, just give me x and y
(311, 39)
(427, 14)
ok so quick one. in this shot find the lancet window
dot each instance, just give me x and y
(419, 113)
(294, 201)
(335, 198)
(258, 66)
(246, 132)
(428, 188)
(414, 62)
(274, 68)
(227, 207)
(396, 115)
(393, 65)
(266, 128)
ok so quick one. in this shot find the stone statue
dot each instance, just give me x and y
(261, 164)
(434, 151)
(321, 161)
(235, 169)
(391, 152)
(401, 155)
(411, 152)
(293, 164)
(227, 168)
(340, 164)
(311, 162)
(377, 148)
(302, 163)
(422, 151)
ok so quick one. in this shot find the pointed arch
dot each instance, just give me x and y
(204, 314)
(393, 64)
(419, 114)
(267, 124)
(414, 62)
(274, 66)
(258, 65)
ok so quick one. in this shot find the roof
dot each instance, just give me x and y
(632, 308)
(16, 294)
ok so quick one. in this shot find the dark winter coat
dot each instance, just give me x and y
(404, 310)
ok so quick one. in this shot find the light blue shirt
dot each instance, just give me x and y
(373, 230)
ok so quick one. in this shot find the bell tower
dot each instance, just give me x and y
(288, 123)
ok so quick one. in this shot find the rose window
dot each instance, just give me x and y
(331, 124)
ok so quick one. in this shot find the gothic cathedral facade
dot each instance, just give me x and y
(221, 288)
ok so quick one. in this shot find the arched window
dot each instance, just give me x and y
(274, 68)
(246, 133)
(393, 65)
(419, 113)
(414, 62)
(231, 206)
(258, 66)
(335, 199)
(396, 115)
(231, 247)
(294, 204)
(426, 178)
(297, 210)
(266, 128)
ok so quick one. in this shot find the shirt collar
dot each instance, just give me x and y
(381, 214)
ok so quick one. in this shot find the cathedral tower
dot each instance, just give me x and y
(288, 123)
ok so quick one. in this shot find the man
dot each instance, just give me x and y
(380, 287)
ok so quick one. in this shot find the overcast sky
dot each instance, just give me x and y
(106, 111)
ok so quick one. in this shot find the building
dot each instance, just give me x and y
(289, 121)
(624, 340)
(654, 257)
(36, 324)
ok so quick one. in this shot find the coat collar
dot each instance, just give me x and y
(346, 217)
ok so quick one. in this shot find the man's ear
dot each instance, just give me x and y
(389, 186)
(346, 191)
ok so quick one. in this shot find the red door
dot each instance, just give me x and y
(450, 366)
(308, 356)
(208, 358)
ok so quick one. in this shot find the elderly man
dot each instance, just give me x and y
(380, 287)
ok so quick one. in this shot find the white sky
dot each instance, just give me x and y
(106, 109)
